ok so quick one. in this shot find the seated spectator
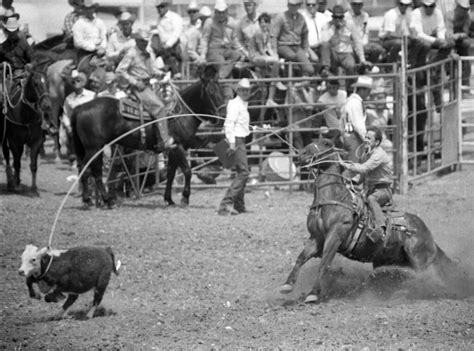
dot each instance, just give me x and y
(373, 51)
(219, 44)
(247, 27)
(315, 21)
(189, 28)
(332, 99)
(115, 27)
(343, 38)
(395, 25)
(322, 8)
(122, 40)
(378, 115)
(429, 32)
(262, 53)
(89, 32)
(291, 33)
(165, 39)
(458, 24)
(194, 37)
(70, 19)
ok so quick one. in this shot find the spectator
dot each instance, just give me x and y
(219, 44)
(247, 27)
(79, 96)
(14, 49)
(116, 28)
(395, 25)
(165, 39)
(70, 19)
(89, 32)
(194, 37)
(354, 115)
(373, 51)
(322, 8)
(263, 54)
(343, 38)
(122, 40)
(291, 33)
(137, 68)
(316, 22)
(429, 32)
(458, 23)
(236, 128)
(332, 100)
(190, 27)
(111, 87)
(378, 115)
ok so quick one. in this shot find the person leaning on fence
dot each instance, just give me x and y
(194, 37)
(458, 23)
(137, 68)
(377, 171)
(291, 33)
(332, 101)
(395, 26)
(236, 127)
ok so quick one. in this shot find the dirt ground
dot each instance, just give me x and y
(193, 280)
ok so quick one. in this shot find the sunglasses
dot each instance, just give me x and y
(193, 11)
(338, 17)
(429, 6)
(162, 6)
(310, 5)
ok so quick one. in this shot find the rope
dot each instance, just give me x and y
(6, 95)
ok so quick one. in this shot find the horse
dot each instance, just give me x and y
(337, 223)
(99, 121)
(20, 124)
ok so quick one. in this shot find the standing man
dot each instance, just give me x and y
(291, 33)
(394, 27)
(137, 68)
(165, 39)
(378, 171)
(236, 128)
(353, 112)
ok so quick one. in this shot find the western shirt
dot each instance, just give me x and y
(237, 119)
(291, 30)
(428, 28)
(73, 100)
(169, 28)
(354, 113)
(345, 39)
(217, 35)
(378, 168)
(117, 45)
(335, 103)
(315, 24)
(394, 22)
(245, 32)
(88, 34)
(360, 21)
(137, 65)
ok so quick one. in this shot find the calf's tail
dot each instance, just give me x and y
(115, 266)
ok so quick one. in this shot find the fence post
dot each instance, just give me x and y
(404, 118)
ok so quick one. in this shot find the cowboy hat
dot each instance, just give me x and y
(429, 2)
(126, 17)
(142, 34)
(363, 82)
(80, 76)
(205, 12)
(193, 5)
(244, 83)
(464, 3)
(294, 2)
(220, 6)
(162, 2)
(11, 24)
(90, 4)
(406, 2)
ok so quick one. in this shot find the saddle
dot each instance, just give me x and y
(132, 109)
(395, 222)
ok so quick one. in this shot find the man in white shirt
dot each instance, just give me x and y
(333, 100)
(394, 27)
(89, 32)
(236, 128)
(429, 32)
(165, 39)
(121, 40)
(316, 22)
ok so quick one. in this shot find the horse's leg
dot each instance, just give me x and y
(34, 152)
(17, 152)
(310, 250)
(173, 160)
(96, 170)
(186, 169)
(331, 245)
(8, 168)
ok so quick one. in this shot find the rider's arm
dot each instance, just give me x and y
(123, 66)
(375, 160)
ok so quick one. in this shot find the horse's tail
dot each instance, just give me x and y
(443, 264)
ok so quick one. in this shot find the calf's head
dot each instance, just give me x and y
(31, 260)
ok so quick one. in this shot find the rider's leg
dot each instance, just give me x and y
(376, 199)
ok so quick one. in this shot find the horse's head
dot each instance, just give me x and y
(212, 97)
(36, 90)
(323, 153)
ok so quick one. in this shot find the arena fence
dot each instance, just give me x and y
(425, 132)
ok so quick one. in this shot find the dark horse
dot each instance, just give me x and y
(333, 223)
(99, 121)
(21, 124)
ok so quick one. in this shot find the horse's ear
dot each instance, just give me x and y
(209, 73)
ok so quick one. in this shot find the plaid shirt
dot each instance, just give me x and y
(69, 21)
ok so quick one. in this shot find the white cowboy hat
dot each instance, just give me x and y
(205, 11)
(11, 24)
(143, 34)
(429, 2)
(220, 6)
(193, 5)
(244, 83)
(357, 1)
(406, 2)
(126, 17)
(364, 82)
(295, 2)
(162, 2)
(464, 3)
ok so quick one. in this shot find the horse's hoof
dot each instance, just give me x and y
(170, 203)
(286, 289)
(311, 299)
(184, 202)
